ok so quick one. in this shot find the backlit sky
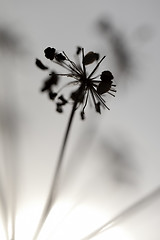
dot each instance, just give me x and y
(99, 183)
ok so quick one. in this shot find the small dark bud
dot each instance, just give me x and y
(78, 50)
(52, 80)
(59, 108)
(77, 96)
(97, 56)
(98, 107)
(52, 95)
(64, 101)
(104, 87)
(50, 53)
(73, 96)
(106, 83)
(40, 65)
(45, 87)
(90, 58)
(106, 76)
(60, 57)
(82, 115)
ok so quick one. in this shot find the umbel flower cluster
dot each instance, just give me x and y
(88, 85)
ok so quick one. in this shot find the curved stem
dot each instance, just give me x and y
(54, 186)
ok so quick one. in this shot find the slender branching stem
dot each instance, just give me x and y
(54, 186)
(80, 96)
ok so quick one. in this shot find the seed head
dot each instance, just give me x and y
(88, 86)
(50, 53)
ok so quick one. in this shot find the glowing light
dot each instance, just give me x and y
(63, 224)
(65, 221)
(115, 233)
(10, 229)
(26, 222)
(2, 232)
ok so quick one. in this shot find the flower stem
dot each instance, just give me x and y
(54, 186)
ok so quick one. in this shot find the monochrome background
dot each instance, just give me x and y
(113, 159)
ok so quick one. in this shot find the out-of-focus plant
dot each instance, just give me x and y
(10, 42)
(11, 48)
(114, 38)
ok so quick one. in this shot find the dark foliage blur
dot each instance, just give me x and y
(11, 42)
(118, 156)
(11, 49)
(121, 49)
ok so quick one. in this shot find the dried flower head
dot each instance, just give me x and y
(88, 85)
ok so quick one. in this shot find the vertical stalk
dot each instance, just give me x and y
(54, 186)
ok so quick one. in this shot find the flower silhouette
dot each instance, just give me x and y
(88, 85)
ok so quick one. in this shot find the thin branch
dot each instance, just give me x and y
(4, 208)
(74, 68)
(90, 75)
(84, 67)
(54, 186)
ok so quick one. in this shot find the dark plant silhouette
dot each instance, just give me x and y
(88, 85)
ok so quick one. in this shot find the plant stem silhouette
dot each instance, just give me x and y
(54, 186)
(88, 85)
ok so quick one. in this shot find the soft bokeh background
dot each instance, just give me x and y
(112, 160)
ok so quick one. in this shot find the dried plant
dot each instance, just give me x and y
(88, 86)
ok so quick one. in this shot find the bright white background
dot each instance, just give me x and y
(112, 159)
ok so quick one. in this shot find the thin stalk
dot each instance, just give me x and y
(54, 186)
(4, 209)
(90, 75)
